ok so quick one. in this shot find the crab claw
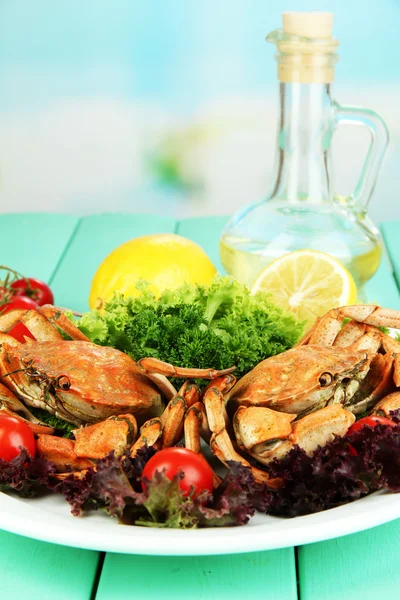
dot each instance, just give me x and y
(267, 436)
(388, 404)
(61, 452)
(115, 433)
(261, 431)
(10, 405)
(150, 434)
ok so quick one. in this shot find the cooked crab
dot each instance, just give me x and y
(354, 365)
(302, 397)
(310, 393)
(77, 380)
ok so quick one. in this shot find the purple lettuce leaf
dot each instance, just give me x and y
(343, 471)
(167, 506)
(27, 476)
(105, 485)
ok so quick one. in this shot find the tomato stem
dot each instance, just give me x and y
(6, 291)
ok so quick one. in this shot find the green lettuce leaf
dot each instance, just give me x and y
(216, 326)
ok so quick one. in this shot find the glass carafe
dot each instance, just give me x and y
(301, 210)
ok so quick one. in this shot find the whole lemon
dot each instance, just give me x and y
(164, 260)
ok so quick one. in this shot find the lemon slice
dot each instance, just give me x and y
(308, 283)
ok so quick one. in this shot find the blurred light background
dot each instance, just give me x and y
(170, 106)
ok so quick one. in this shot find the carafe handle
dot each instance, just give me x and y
(353, 115)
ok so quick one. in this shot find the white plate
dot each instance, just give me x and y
(49, 519)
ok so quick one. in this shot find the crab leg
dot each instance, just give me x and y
(154, 365)
(42, 323)
(388, 404)
(221, 444)
(305, 339)
(57, 317)
(150, 434)
(372, 315)
(172, 422)
(195, 427)
(190, 392)
(14, 407)
(215, 410)
(61, 452)
(325, 331)
(371, 341)
(37, 324)
(193, 421)
(377, 384)
(172, 418)
(115, 433)
(215, 393)
(163, 384)
(224, 384)
(222, 448)
(9, 340)
(350, 333)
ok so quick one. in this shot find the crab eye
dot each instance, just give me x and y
(325, 379)
(63, 382)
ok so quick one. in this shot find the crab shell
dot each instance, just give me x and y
(302, 380)
(79, 381)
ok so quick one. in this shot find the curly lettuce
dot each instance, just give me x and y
(216, 326)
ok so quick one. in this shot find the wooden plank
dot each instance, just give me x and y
(364, 573)
(29, 567)
(34, 243)
(363, 566)
(32, 569)
(94, 239)
(264, 575)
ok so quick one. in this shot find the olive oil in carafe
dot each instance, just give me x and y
(301, 211)
(357, 245)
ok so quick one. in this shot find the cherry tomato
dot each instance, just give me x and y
(197, 472)
(35, 289)
(19, 330)
(15, 434)
(371, 421)
(352, 450)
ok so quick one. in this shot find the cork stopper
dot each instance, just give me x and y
(308, 24)
(306, 47)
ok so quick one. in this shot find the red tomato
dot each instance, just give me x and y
(371, 421)
(15, 434)
(197, 472)
(35, 289)
(352, 450)
(19, 330)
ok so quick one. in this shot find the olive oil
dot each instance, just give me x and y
(301, 211)
(357, 245)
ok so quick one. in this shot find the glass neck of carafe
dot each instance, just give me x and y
(305, 129)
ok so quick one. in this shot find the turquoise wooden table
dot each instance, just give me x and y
(65, 251)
